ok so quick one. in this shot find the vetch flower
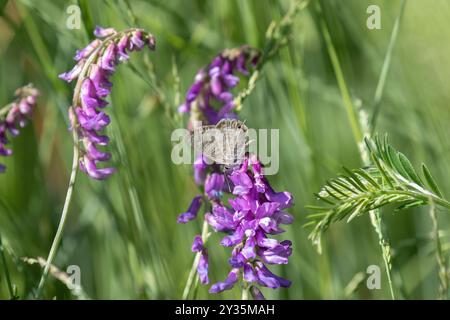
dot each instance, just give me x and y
(256, 293)
(14, 116)
(202, 268)
(255, 210)
(192, 212)
(254, 213)
(229, 282)
(249, 221)
(215, 185)
(210, 97)
(96, 64)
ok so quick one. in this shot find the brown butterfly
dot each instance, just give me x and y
(224, 143)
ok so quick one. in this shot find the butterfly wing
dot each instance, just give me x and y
(235, 135)
(223, 143)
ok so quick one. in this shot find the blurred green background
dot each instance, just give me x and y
(123, 232)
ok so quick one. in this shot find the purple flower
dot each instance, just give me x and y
(197, 245)
(192, 212)
(86, 117)
(85, 52)
(268, 279)
(72, 74)
(256, 211)
(256, 293)
(211, 90)
(15, 115)
(202, 268)
(136, 42)
(100, 32)
(121, 48)
(200, 167)
(242, 183)
(227, 284)
(221, 218)
(215, 185)
(89, 166)
(249, 222)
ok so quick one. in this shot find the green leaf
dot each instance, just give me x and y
(367, 176)
(395, 161)
(410, 204)
(390, 180)
(430, 180)
(407, 166)
(353, 177)
(324, 199)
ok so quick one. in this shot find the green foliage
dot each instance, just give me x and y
(392, 180)
(122, 232)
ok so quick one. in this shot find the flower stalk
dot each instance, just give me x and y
(95, 64)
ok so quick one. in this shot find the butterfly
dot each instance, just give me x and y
(223, 143)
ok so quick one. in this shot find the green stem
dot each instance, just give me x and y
(8, 278)
(346, 99)
(134, 19)
(377, 222)
(75, 161)
(384, 69)
(357, 130)
(416, 195)
(375, 215)
(277, 35)
(443, 275)
(244, 294)
(62, 222)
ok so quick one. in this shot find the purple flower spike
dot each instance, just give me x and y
(256, 211)
(103, 54)
(191, 213)
(15, 115)
(213, 84)
(250, 222)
